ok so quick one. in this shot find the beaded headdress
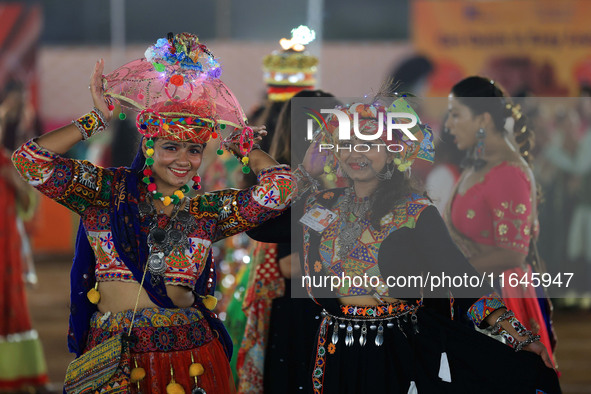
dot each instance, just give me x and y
(177, 91)
(292, 69)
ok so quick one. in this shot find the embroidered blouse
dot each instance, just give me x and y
(87, 189)
(498, 210)
(362, 260)
(413, 240)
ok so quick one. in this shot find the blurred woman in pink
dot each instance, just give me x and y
(492, 214)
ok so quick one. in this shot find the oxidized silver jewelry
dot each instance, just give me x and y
(530, 339)
(363, 336)
(349, 337)
(475, 155)
(380, 335)
(496, 328)
(387, 172)
(352, 214)
(163, 241)
(361, 325)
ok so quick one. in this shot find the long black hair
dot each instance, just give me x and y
(389, 193)
(482, 95)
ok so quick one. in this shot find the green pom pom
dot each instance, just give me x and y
(220, 152)
(245, 169)
(146, 180)
(149, 161)
(122, 116)
(185, 189)
(222, 126)
(175, 199)
(159, 67)
(150, 143)
(157, 195)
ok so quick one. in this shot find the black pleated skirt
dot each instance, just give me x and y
(291, 344)
(477, 363)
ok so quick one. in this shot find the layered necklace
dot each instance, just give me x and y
(172, 238)
(353, 213)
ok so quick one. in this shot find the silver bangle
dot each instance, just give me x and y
(531, 339)
(496, 328)
(313, 182)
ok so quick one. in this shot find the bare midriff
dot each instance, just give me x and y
(366, 300)
(121, 296)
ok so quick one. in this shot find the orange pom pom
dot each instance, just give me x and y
(210, 302)
(174, 388)
(196, 369)
(137, 374)
(93, 294)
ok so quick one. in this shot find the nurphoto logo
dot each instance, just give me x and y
(345, 124)
(344, 127)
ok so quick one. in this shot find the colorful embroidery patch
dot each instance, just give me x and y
(484, 307)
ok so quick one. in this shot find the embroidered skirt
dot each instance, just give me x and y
(402, 351)
(167, 342)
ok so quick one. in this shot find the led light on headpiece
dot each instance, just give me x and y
(177, 91)
(179, 79)
(290, 70)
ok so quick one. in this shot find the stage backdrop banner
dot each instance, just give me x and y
(535, 46)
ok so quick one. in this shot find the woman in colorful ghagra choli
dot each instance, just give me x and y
(143, 248)
(379, 338)
(492, 215)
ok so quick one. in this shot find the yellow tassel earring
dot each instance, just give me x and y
(330, 176)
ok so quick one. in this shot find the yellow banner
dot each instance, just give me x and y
(540, 47)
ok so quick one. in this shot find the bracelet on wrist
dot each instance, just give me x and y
(305, 183)
(496, 328)
(530, 339)
(237, 139)
(92, 123)
(315, 184)
(519, 345)
(521, 330)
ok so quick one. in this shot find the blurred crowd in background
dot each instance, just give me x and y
(47, 49)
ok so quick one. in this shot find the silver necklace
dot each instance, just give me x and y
(353, 213)
(163, 241)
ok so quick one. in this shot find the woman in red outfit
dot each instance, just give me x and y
(492, 214)
(22, 365)
(21, 356)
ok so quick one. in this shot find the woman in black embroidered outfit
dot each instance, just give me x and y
(143, 249)
(375, 337)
